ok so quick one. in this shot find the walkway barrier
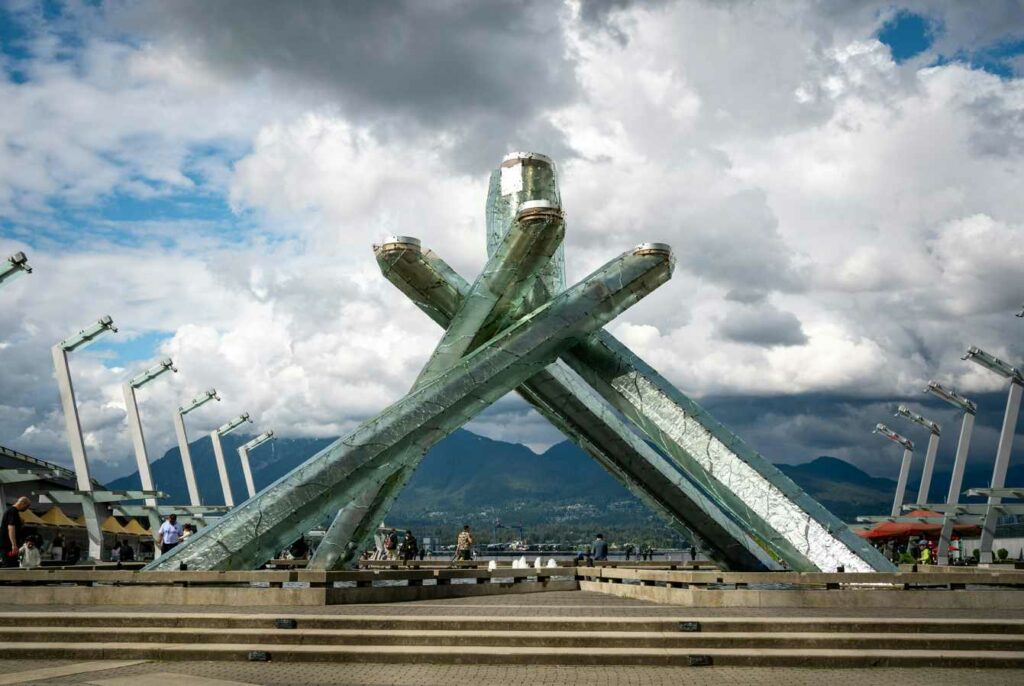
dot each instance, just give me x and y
(971, 590)
(271, 587)
(696, 588)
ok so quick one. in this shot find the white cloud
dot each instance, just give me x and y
(805, 180)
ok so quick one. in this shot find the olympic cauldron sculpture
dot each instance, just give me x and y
(517, 327)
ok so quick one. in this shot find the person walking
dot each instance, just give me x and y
(600, 548)
(693, 553)
(409, 547)
(464, 544)
(10, 532)
(169, 534)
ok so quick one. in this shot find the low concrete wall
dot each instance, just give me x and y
(845, 598)
(254, 596)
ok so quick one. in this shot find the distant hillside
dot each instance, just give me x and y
(559, 495)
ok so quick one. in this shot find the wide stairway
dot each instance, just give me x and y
(475, 633)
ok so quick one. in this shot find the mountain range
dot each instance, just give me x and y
(560, 494)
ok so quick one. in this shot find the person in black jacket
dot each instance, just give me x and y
(600, 548)
(10, 532)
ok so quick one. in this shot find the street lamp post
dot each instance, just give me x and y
(929, 456)
(243, 455)
(959, 462)
(218, 454)
(128, 388)
(92, 511)
(13, 266)
(186, 455)
(908, 455)
(993, 364)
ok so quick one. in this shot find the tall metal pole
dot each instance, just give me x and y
(218, 454)
(955, 483)
(243, 455)
(908, 456)
(929, 467)
(186, 454)
(92, 512)
(1016, 377)
(186, 459)
(988, 529)
(13, 266)
(969, 409)
(138, 437)
(901, 484)
(933, 448)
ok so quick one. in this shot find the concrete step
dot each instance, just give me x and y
(893, 625)
(802, 657)
(519, 639)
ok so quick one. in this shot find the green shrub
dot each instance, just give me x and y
(1002, 553)
(907, 559)
(976, 554)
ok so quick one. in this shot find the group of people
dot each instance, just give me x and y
(407, 549)
(20, 549)
(643, 552)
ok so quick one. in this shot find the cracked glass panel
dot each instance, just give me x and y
(760, 495)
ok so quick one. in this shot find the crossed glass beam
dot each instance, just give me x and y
(381, 447)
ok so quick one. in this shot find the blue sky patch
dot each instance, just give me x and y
(118, 351)
(907, 35)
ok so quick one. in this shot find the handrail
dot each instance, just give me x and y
(416, 577)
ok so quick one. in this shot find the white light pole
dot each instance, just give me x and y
(959, 462)
(929, 456)
(186, 455)
(993, 364)
(218, 453)
(13, 266)
(908, 455)
(73, 426)
(135, 430)
(243, 455)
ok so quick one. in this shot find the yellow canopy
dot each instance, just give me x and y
(30, 517)
(133, 527)
(56, 517)
(112, 526)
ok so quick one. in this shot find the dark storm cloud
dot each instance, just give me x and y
(764, 326)
(478, 71)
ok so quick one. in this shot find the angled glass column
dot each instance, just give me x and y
(575, 409)
(218, 454)
(255, 530)
(183, 449)
(738, 480)
(963, 444)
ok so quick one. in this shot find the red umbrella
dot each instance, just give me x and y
(905, 529)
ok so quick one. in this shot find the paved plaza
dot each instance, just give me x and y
(242, 673)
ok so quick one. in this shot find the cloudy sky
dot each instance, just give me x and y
(842, 184)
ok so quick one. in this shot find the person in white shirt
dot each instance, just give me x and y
(29, 554)
(169, 534)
